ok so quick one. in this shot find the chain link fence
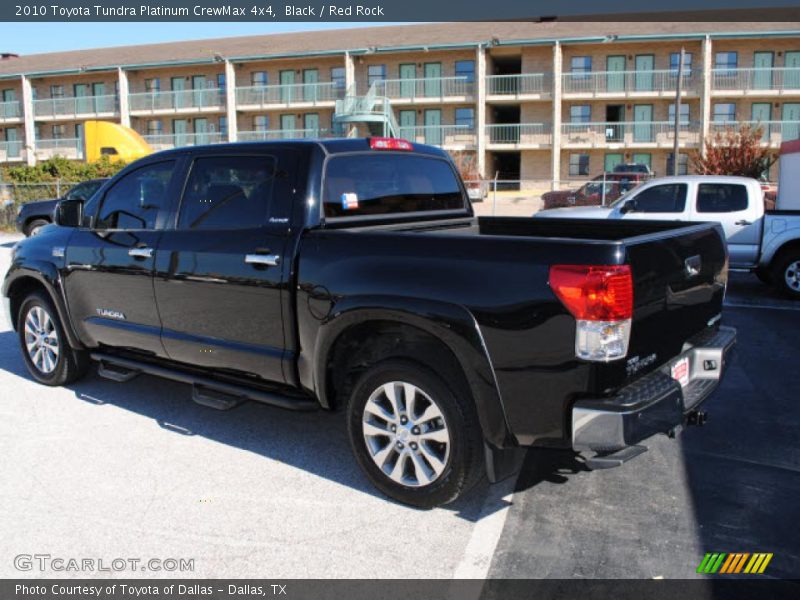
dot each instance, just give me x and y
(14, 195)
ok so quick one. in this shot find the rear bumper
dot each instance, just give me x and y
(656, 403)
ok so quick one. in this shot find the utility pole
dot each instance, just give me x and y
(678, 91)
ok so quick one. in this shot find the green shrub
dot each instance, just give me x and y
(58, 168)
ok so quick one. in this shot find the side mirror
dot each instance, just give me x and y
(69, 213)
(629, 206)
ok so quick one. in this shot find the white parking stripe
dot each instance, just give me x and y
(768, 306)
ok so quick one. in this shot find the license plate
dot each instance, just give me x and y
(680, 371)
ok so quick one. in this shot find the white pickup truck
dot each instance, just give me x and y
(764, 242)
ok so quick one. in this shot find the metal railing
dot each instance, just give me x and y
(439, 135)
(176, 140)
(66, 147)
(773, 132)
(10, 110)
(288, 94)
(776, 78)
(425, 87)
(660, 133)
(519, 84)
(177, 100)
(74, 106)
(282, 134)
(533, 134)
(628, 82)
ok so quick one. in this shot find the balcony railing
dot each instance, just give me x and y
(176, 140)
(177, 100)
(524, 134)
(519, 85)
(10, 110)
(66, 147)
(773, 132)
(425, 88)
(659, 133)
(776, 79)
(297, 93)
(282, 134)
(11, 151)
(439, 135)
(628, 82)
(75, 106)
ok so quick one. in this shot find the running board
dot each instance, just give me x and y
(208, 385)
(115, 372)
(615, 459)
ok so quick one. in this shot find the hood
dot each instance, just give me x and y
(577, 212)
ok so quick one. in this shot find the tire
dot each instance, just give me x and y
(51, 360)
(424, 465)
(786, 274)
(35, 226)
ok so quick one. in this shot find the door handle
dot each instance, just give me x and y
(743, 222)
(141, 252)
(269, 260)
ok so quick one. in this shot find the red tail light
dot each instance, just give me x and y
(384, 143)
(594, 293)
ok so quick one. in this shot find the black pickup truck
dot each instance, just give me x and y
(352, 274)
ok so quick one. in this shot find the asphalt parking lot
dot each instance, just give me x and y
(137, 470)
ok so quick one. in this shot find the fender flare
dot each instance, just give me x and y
(452, 324)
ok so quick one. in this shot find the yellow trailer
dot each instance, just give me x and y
(102, 138)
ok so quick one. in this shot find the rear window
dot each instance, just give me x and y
(721, 197)
(389, 184)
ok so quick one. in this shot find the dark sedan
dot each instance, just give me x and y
(33, 216)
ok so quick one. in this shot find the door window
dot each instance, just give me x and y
(229, 192)
(669, 198)
(721, 198)
(135, 200)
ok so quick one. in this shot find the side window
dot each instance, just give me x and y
(669, 198)
(721, 198)
(134, 201)
(230, 192)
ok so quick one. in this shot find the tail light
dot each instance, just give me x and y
(601, 300)
(384, 143)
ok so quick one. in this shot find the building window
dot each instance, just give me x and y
(59, 132)
(223, 127)
(684, 113)
(683, 164)
(261, 122)
(465, 118)
(580, 113)
(578, 165)
(338, 77)
(221, 81)
(580, 66)
(155, 127)
(56, 91)
(375, 73)
(466, 69)
(724, 111)
(726, 61)
(152, 85)
(259, 78)
(674, 59)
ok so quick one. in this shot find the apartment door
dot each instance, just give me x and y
(288, 127)
(198, 88)
(643, 81)
(98, 98)
(408, 123)
(433, 126)
(761, 115)
(311, 125)
(79, 132)
(615, 74)
(178, 86)
(200, 128)
(615, 129)
(9, 95)
(643, 123)
(83, 104)
(611, 161)
(762, 70)
(408, 74)
(643, 159)
(433, 79)
(790, 127)
(13, 145)
(287, 86)
(310, 87)
(180, 130)
(791, 74)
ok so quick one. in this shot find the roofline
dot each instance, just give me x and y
(410, 48)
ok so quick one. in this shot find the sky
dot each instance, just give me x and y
(34, 38)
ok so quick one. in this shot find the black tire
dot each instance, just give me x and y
(70, 364)
(463, 467)
(787, 268)
(33, 227)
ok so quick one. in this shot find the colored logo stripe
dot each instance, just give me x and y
(735, 562)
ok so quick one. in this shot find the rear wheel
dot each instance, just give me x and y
(787, 274)
(35, 226)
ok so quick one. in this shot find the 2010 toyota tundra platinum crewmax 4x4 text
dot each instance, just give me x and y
(351, 274)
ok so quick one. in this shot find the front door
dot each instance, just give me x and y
(761, 115)
(198, 90)
(100, 102)
(615, 74)
(615, 129)
(762, 70)
(180, 129)
(408, 75)
(643, 123)
(791, 74)
(310, 87)
(200, 126)
(790, 125)
(287, 86)
(178, 86)
(288, 127)
(433, 129)
(109, 267)
(643, 159)
(220, 272)
(311, 125)
(13, 145)
(408, 124)
(83, 103)
(433, 79)
(643, 81)
(611, 161)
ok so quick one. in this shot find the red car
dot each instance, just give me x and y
(591, 193)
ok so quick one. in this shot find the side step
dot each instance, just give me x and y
(214, 399)
(209, 387)
(615, 459)
(116, 372)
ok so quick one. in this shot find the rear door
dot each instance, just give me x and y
(222, 268)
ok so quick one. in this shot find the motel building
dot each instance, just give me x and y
(543, 103)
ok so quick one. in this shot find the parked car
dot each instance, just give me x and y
(32, 216)
(591, 193)
(766, 242)
(633, 168)
(351, 274)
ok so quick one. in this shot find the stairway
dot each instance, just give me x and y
(370, 114)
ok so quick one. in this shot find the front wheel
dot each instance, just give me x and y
(415, 437)
(35, 227)
(787, 274)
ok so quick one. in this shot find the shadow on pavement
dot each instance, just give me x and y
(549, 465)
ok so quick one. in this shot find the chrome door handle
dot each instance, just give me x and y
(743, 222)
(141, 252)
(269, 260)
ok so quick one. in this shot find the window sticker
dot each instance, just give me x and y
(349, 201)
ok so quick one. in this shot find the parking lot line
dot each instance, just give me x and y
(754, 305)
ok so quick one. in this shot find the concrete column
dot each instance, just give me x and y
(124, 105)
(480, 108)
(230, 101)
(349, 73)
(555, 152)
(705, 94)
(27, 114)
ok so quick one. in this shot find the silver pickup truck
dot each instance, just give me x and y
(764, 242)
